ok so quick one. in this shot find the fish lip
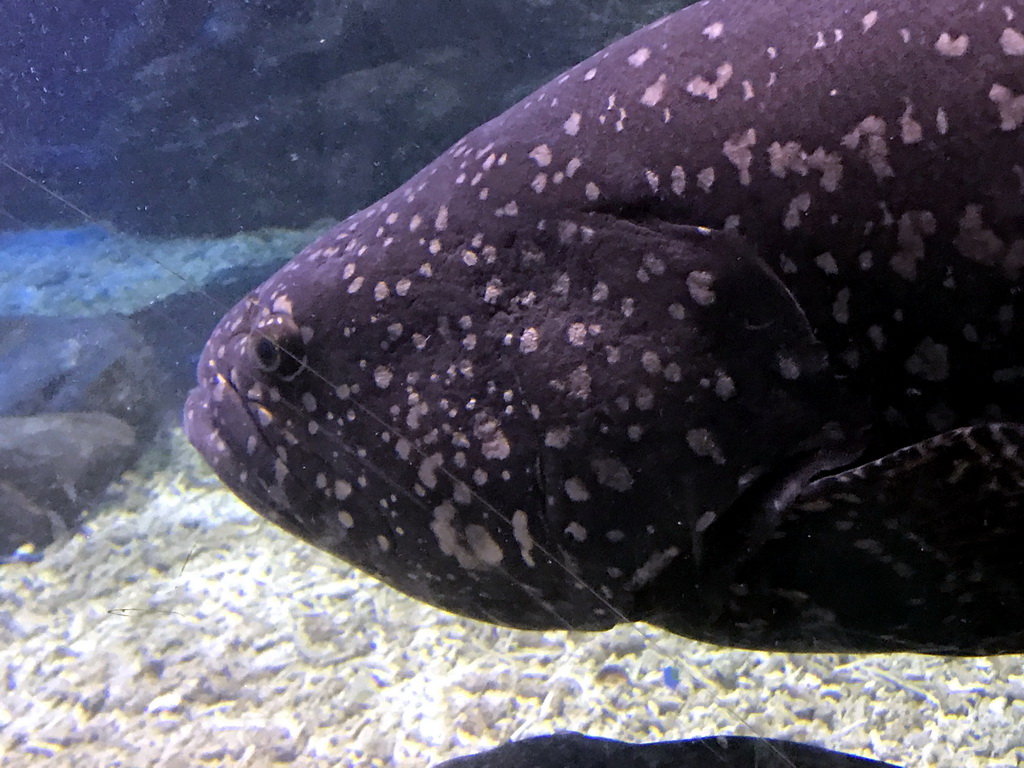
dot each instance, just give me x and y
(217, 418)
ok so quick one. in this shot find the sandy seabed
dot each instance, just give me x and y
(180, 629)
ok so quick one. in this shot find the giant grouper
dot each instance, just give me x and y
(721, 330)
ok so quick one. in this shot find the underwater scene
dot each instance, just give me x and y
(493, 384)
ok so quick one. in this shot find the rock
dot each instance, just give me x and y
(51, 467)
(72, 364)
(240, 115)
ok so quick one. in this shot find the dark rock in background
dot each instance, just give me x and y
(79, 399)
(208, 116)
(51, 467)
(579, 751)
(76, 364)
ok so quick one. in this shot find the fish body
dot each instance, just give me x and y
(720, 329)
(582, 751)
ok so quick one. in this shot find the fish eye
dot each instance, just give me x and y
(277, 349)
(268, 356)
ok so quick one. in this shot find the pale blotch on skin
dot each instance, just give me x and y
(827, 263)
(700, 284)
(930, 361)
(1012, 42)
(952, 47)
(558, 437)
(529, 341)
(794, 212)
(788, 368)
(654, 92)
(698, 86)
(702, 443)
(910, 130)
(576, 489)
(572, 125)
(639, 57)
(706, 179)
(541, 155)
(713, 31)
(577, 334)
(521, 533)
(678, 177)
(738, 150)
(725, 388)
(872, 132)
(1011, 107)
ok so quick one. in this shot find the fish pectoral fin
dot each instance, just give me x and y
(922, 548)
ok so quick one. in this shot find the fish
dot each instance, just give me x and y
(576, 749)
(719, 330)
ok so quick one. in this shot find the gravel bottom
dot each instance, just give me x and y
(180, 629)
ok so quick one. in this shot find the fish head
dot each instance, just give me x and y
(525, 441)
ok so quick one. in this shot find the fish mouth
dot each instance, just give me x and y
(218, 439)
(221, 426)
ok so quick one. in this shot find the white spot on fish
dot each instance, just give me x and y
(910, 129)
(841, 306)
(511, 208)
(930, 361)
(700, 284)
(541, 155)
(613, 474)
(706, 179)
(1011, 107)
(737, 150)
(521, 533)
(576, 490)
(441, 220)
(382, 376)
(572, 125)
(650, 362)
(713, 31)
(952, 47)
(698, 86)
(1012, 42)
(827, 263)
(639, 57)
(678, 177)
(702, 443)
(797, 206)
(788, 368)
(872, 130)
(577, 334)
(655, 91)
(427, 471)
(529, 341)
